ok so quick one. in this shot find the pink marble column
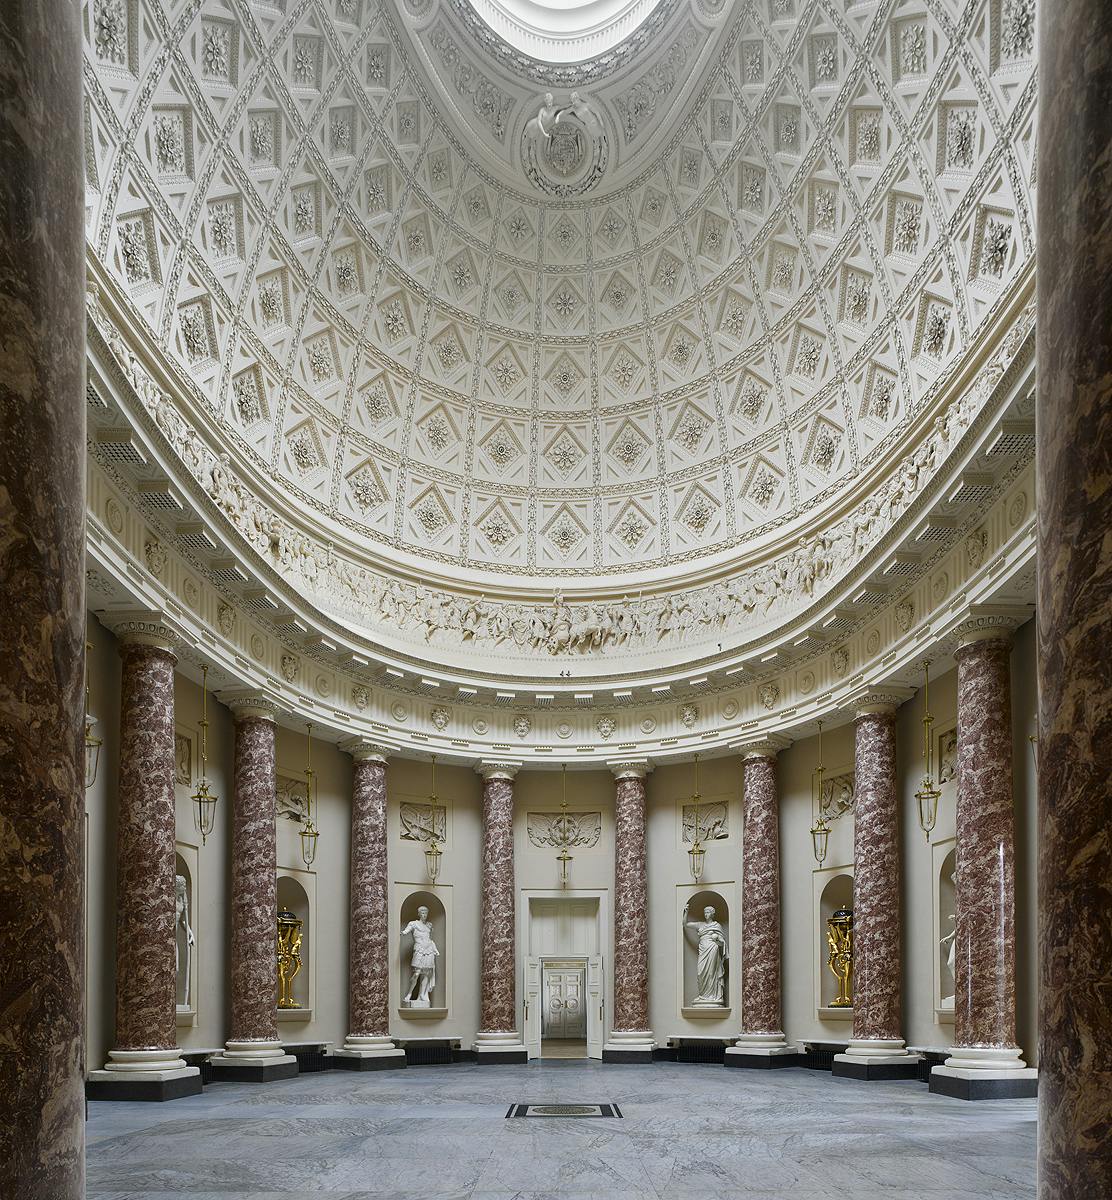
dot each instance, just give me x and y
(253, 1052)
(1074, 420)
(876, 1050)
(985, 1053)
(368, 1045)
(498, 1039)
(631, 1039)
(761, 1043)
(42, 596)
(145, 1063)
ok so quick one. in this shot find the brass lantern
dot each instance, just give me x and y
(309, 832)
(204, 802)
(92, 742)
(564, 837)
(927, 795)
(433, 853)
(820, 830)
(698, 851)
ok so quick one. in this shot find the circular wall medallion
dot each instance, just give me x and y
(563, 730)
(1017, 510)
(114, 516)
(322, 685)
(872, 644)
(191, 592)
(648, 725)
(807, 681)
(480, 727)
(730, 709)
(399, 711)
(258, 646)
(940, 586)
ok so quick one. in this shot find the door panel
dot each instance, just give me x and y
(533, 1007)
(595, 1006)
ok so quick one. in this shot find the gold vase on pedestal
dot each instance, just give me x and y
(839, 937)
(289, 956)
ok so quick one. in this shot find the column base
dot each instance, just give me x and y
(761, 1052)
(144, 1075)
(499, 1049)
(629, 1046)
(368, 1054)
(876, 1059)
(253, 1062)
(985, 1073)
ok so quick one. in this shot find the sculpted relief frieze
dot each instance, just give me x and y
(561, 626)
(547, 829)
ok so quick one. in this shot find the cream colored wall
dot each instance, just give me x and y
(536, 870)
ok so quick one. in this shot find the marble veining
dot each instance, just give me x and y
(444, 1135)
(985, 999)
(876, 880)
(631, 934)
(42, 597)
(369, 947)
(146, 972)
(499, 968)
(253, 975)
(760, 898)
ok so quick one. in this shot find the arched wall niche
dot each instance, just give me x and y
(692, 913)
(833, 890)
(439, 992)
(294, 896)
(945, 856)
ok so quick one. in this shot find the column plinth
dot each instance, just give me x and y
(985, 1062)
(368, 1045)
(631, 1039)
(145, 1063)
(498, 1039)
(876, 1049)
(761, 1042)
(253, 1053)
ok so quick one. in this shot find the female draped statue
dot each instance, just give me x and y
(713, 952)
(423, 963)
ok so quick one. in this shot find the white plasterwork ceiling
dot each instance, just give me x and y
(442, 359)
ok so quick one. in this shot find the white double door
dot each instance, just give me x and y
(563, 999)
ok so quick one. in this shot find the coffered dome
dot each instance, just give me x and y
(431, 323)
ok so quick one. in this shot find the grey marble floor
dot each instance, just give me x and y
(689, 1133)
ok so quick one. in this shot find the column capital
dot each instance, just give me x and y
(630, 768)
(246, 704)
(768, 746)
(985, 623)
(365, 750)
(504, 771)
(146, 627)
(880, 700)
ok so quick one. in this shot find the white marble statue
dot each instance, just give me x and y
(422, 981)
(181, 921)
(713, 952)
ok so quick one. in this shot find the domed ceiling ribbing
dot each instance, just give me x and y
(344, 225)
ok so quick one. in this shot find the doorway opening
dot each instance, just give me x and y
(564, 1008)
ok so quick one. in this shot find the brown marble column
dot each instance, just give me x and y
(145, 1063)
(42, 595)
(1074, 422)
(498, 1039)
(368, 1046)
(761, 1043)
(631, 1039)
(253, 1052)
(876, 1050)
(984, 1061)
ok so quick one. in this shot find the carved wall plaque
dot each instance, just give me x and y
(423, 822)
(714, 822)
(584, 829)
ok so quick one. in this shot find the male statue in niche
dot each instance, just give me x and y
(181, 922)
(713, 953)
(422, 980)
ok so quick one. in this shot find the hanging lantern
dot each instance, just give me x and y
(433, 853)
(564, 837)
(820, 830)
(92, 742)
(927, 796)
(204, 802)
(309, 832)
(820, 839)
(697, 853)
